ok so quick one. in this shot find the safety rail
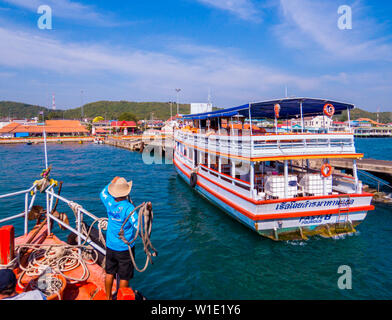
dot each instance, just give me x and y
(50, 196)
(79, 218)
(379, 181)
(238, 184)
(28, 206)
(271, 144)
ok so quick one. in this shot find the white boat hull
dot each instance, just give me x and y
(280, 219)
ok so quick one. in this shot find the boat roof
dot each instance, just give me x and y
(289, 108)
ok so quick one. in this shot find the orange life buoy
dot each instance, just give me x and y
(329, 172)
(329, 110)
(277, 110)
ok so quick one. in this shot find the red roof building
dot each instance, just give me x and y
(51, 127)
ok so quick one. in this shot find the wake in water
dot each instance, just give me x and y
(345, 235)
(296, 242)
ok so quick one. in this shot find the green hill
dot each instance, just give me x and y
(113, 109)
(142, 110)
(384, 117)
(19, 110)
(106, 109)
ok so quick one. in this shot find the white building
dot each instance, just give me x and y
(318, 122)
(200, 108)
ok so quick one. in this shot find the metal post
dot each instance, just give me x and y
(286, 179)
(47, 213)
(302, 118)
(355, 173)
(79, 228)
(46, 151)
(178, 91)
(232, 169)
(251, 131)
(252, 178)
(349, 120)
(26, 225)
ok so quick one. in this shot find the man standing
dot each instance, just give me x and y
(118, 259)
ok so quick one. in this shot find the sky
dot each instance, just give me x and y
(239, 51)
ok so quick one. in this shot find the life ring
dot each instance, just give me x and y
(329, 110)
(277, 110)
(329, 172)
(193, 179)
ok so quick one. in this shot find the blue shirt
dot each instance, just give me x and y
(117, 213)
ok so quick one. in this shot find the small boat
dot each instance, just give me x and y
(264, 177)
(62, 270)
(29, 143)
(98, 141)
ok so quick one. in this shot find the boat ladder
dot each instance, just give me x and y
(343, 221)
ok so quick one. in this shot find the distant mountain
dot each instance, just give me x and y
(106, 109)
(142, 110)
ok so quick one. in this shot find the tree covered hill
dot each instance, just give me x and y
(141, 110)
(384, 117)
(9, 109)
(105, 109)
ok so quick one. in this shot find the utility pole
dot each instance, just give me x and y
(378, 115)
(178, 92)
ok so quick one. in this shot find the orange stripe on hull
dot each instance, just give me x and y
(273, 216)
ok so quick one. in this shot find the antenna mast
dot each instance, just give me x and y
(53, 102)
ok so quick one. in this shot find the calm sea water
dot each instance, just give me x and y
(203, 253)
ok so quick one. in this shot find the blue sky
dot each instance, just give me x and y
(240, 50)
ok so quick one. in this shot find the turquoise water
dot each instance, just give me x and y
(203, 253)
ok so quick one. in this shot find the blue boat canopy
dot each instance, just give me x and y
(289, 108)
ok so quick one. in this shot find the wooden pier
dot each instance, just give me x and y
(132, 144)
(380, 168)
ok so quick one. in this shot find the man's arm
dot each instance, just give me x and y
(105, 195)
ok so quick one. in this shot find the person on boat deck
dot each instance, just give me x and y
(118, 259)
(8, 286)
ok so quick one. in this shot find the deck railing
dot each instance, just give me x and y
(27, 206)
(271, 144)
(50, 198)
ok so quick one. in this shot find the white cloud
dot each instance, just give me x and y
(66, 9)
(244, 9)
(229, 76)
(312, 25)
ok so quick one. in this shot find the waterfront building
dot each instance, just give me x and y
(54, 128)
(124, 127)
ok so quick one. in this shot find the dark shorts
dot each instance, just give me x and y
(119, 262)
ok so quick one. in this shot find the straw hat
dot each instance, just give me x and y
(120, 188)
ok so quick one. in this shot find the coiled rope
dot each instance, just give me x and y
(144, 227)
(57, 258)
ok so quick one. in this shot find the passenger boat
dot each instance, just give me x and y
(267, 179)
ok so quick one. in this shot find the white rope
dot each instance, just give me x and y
(57, 258)
(11, 265)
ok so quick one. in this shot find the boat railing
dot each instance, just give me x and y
(241, 185)
(377, 180)
(27, 206)
(50, 198)
(259, 145)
